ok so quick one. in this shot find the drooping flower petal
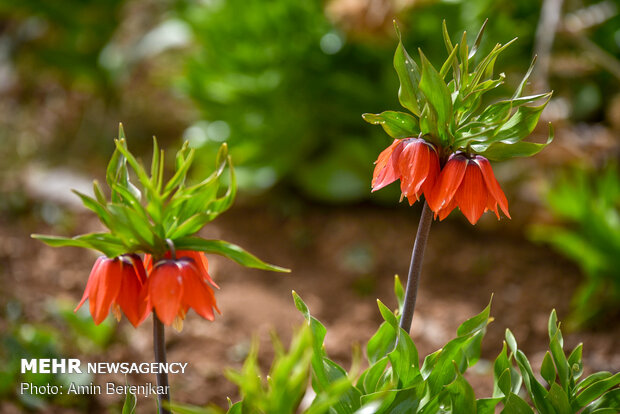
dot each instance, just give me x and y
(386, 166)
(433, 171)
(447, 183)
(196, 293)
(413, 165)
(165, 290)
(105, 288)
(492, 184)
(175, 285)
(129, 296)
(90, 282)
(412, 160)
(471, 196)
(467, 183)
(201, 263)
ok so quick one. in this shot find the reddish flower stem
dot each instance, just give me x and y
(159, 346)
(415, 267)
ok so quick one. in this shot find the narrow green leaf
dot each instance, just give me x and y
(609, 403)
(515, 405)
(93, 205)
(381, 343)
(475, 323)
(575, 363)
(155, 164)
(374, 378)
(559, 399)
(446, 36)
(396, 124)
(409, 76)
(225, 249)
(404, 360)
(521, 124)
(547, 369)
(487, 405)
(478, 40)
(521, 86)
(449, 62)
(500, 151)
(387, 314)
(399, 292)
(595, 390)
(129, 406)
(438, 97)
(504, 383)
(179, 176)
(461, 395)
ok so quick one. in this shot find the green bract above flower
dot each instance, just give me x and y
(446, 110)
(146, 216)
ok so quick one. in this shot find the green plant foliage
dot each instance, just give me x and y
(566, 390)
(144, 217)
(450, 114)
(587, 207)
(395, 383)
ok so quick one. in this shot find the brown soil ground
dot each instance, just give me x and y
(342, 259)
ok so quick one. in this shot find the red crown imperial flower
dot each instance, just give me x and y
(412, 160)
(118, 283)
(469, 183)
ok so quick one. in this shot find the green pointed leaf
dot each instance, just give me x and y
(129, 406)
(595, 390)
(609, 403)
(374, 378)
(504, 382)
(381, 343)
(396, 124)
(591, 379)
(521, 124)
(438, 97)
(547, 369)
(515, 405)
(487, 405)
(558, 399)
(404, 360)
(387, 314)
(500, 151)
(575, 363)
(521, 86)
(179, 176)
(106, 243)
(476, 323)
(478, 40)
(461, 395)
(409, 76)
(446, 36)
(449, 62)
(226, 249)
(93, 205)
(399, 292)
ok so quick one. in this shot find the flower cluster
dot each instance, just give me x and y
(466, 181)
(443, 145)
(170, 287)
(156, 217)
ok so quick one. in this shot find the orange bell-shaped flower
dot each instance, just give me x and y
(174, 286)
(412, 160)
(116, 282)
(469, 183)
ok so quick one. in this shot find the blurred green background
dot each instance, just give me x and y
(285, 82)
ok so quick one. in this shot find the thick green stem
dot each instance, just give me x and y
(159, 346)
(415, 267)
